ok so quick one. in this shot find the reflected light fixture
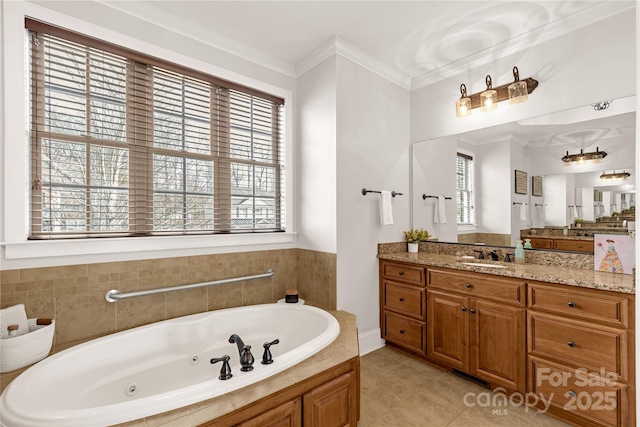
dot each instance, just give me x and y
(583, 158)
(516, 92)
(619, 176)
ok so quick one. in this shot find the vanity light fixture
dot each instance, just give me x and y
(583, 158)
(619, 176)
(516, 92)
(599, 106)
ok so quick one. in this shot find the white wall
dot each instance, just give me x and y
(601, 57)
(555, 196)
(493, 178)
(373, 153)
(434, 172)
(519, 160)
(316, 195)
(96, 20)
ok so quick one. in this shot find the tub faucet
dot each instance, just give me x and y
(267, 358)
(246, 358)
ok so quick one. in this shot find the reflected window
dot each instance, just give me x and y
(464, 193)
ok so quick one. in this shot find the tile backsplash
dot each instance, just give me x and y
(74, 294)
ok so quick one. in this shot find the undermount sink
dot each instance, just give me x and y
(479, 264)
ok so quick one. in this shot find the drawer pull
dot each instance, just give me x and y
(572, 304)
(401, 331)
(572, 393)
(464, 309)
(468, 285)
(571, 344)
(401, 299)
(400, 273)
(473, 311)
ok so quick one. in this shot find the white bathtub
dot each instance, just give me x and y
(89, 384)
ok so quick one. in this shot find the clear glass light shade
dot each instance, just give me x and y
(463, 107)
(518, 92)
(489, 100)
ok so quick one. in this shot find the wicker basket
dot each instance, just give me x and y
(18, 352)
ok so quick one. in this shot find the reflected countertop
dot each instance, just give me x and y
(564, 275)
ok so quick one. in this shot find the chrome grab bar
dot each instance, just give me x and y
(114, 295)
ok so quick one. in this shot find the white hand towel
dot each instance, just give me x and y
(602, 209)
(543, 214)
(579, 211)
(523, 212)
(440, 214)
(14, 315)
(386, 211)
(572, 213)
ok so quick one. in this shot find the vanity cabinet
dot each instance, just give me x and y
(562, 244)
(403, 305)
(580, 342)
(476, 324)
(286, 415)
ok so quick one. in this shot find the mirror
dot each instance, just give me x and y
(519, 151)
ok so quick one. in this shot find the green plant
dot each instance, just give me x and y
(579, 220)
(415, 235)
(615, 213)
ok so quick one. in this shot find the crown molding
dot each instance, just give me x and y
(568, 24)
(146, 11)
(337, 46)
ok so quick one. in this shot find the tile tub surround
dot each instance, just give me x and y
(74, 294)
(343, 349)
(543, 273)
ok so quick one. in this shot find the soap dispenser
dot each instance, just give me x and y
(527, 244)
(519, 252)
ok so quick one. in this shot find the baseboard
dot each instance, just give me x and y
(370, 341)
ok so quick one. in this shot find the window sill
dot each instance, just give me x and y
(78, 247)
(467, 228)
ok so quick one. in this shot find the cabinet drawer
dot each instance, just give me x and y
(403, 299)
(599, 400)
(574, 245)
(578, 343)
(405, 273)
(588, 305)
(479, 285)
(406, 332)
(542, 243)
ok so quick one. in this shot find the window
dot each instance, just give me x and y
(464, 194)
(128, 145)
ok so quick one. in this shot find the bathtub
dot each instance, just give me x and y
(162, 366)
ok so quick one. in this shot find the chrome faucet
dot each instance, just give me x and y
(246, 358)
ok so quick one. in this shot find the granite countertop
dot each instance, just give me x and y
(543, 273)
(344, 348)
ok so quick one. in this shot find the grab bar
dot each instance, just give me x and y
(114, 295)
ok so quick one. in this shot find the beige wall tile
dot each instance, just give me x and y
(257, 292)
(183, 303)
(225, 296)
(8, 277)
(83, 316)
(139, 311)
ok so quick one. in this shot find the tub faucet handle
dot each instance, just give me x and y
(225, 371)
(267, 358)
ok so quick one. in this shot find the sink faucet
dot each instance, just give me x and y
(494, 255)
(246, 358)
(480, 254)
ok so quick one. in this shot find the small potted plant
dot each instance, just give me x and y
(579, 222)
(415, 236)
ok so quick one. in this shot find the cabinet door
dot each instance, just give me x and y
(286, 415)
(497, 344)
(332, 404)
(448, 329)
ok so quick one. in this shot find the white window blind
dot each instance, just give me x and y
(464, 194)
(122, 146)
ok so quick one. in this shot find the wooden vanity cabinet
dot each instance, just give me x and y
(476, 324)
(562, 244)
(403, 308)
(578, 335)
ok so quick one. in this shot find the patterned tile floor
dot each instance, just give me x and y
(400, 391)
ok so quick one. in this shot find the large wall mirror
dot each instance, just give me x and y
(504, 197)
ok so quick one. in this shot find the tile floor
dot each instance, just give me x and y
(400, 391)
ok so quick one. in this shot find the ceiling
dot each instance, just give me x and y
(421, 40)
